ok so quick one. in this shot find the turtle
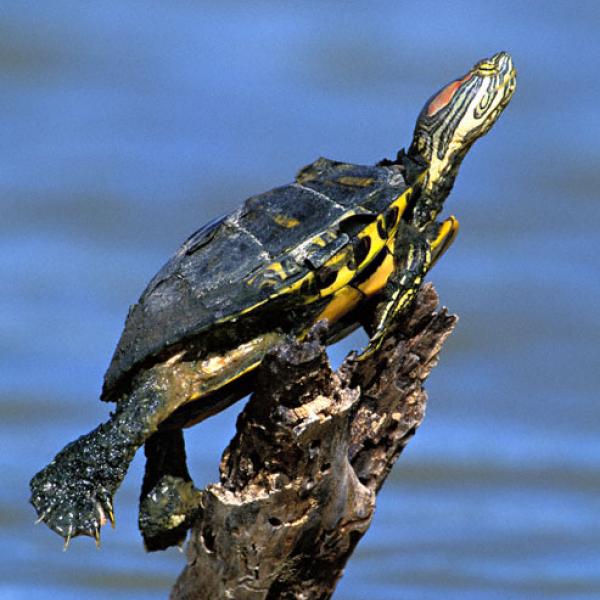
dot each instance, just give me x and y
(345, 243)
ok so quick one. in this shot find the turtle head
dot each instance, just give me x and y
(452, 120)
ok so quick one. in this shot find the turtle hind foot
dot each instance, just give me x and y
(69, 505)
(167, 511)
(73, 495)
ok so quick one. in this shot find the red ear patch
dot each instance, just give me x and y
(444, 97)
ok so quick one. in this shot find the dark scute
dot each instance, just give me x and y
(190, 292)
(379, 201)
(202, 237)
(202, 281)
(264, 215)
(320, 256)
(324, 176)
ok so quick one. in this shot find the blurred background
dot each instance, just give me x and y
(127, 125)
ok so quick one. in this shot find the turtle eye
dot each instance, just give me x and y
(486, 68)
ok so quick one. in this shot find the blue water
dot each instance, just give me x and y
(126, 125)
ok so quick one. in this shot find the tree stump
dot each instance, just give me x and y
(313, 446)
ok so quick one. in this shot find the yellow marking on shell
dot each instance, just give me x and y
(345, 274)
(377, 281)
(402, 200)
(287, 222)
(377, 242)
(297, 285)
(290, 289)
(372, 230)
(268, 275)
(277, 269)
(320, 240)
(343, 302)
(356, 181)
(244, 311)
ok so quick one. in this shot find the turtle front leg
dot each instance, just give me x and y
(73, 495)
(415, 253)
(398, 294)
(168, 501)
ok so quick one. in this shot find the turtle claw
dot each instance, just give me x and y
(105, 508)
(70, 504)
(42, 517)
(111, 516)
(67, 541)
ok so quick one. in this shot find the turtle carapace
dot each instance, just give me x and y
(339, 239)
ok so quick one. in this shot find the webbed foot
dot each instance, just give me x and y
(73, 495)
(68, 502)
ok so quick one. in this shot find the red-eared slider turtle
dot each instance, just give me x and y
(318, 248)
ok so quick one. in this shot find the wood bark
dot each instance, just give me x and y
(313, 446)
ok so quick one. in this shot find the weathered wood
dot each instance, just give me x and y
(312, 448)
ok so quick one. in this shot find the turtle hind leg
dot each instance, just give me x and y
(168, 501)
(73, 495)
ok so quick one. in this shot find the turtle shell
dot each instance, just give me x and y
(202, 285)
